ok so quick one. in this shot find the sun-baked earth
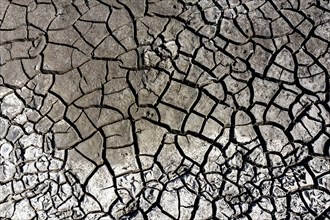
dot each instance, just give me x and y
(150, 109)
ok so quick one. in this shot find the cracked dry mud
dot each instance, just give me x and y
(149, 109)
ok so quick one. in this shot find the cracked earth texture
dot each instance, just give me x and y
(176, 109)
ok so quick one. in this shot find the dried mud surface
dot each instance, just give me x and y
(150, 109)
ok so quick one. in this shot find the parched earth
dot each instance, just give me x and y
(150, 109)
